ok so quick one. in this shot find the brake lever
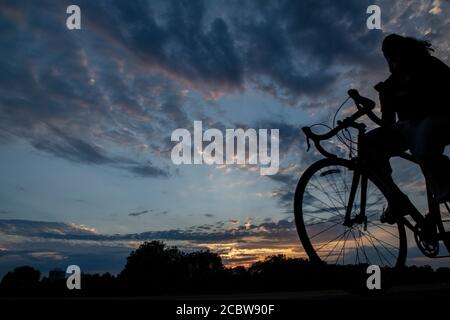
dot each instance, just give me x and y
(308, 144)
(307, 131)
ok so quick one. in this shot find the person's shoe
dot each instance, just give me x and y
(443, 197)
(391, 216)
(429, 231)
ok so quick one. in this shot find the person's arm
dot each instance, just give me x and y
(386, 103)
(438, 80)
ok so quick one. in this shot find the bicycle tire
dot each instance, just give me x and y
(299, 214)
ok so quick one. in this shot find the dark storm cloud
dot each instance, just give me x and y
(292, 43)
(117, 84)
(183, 44)
(119, 79)
(64, 98)
(48, 94)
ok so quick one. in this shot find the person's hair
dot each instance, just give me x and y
(398, 46)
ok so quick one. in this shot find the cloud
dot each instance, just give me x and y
(53, 244)
(274, 47)
(148, 170)
(436, 9)
(50, 244)
(216, 232)
(58, 108)
(138, 213)
(175, 38)
(72, 148)
(119, 87)
(148, 211)
(77, 150)
(43, 229)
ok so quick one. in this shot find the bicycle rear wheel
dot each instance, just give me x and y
(321, 199)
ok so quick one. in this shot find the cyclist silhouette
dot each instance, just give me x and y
(415, 107)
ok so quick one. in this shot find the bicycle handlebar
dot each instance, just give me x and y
(365, 107)
(361, 101)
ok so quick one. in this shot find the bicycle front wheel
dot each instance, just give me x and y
(321, 199)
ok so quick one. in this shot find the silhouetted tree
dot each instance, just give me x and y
(205, 270)
(153, 267)
(203, 263)
(24, 277)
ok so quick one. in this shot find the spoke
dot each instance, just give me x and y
(318, 249)
(385, 248)
(334, 225)
(317, 223)
(356, 201)
(337, 242)
(343, 253)
(381, 241)
(357, 261)
(373, 190)
(376, 250)
(343, 248)
(344, 202)
(363, 247)
(327, 194)
(326, 204)
(346, 190)
(379, 226)
(334, 186)
(320, 218)
(322, 189)
(320, 209)
(371, 205)
(385, 225)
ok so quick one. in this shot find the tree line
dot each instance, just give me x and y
(157, 269)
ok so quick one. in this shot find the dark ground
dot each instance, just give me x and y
(412, 300)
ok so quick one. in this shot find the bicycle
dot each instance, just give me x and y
(337, 207)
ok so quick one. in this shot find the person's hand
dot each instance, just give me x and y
(353, 93)
(360, 100)
(379, 87)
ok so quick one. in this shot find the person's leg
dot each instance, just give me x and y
(376, 148)
(427, 147)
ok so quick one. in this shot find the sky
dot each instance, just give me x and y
(86, 118)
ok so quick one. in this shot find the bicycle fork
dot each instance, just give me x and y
(361, 216)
